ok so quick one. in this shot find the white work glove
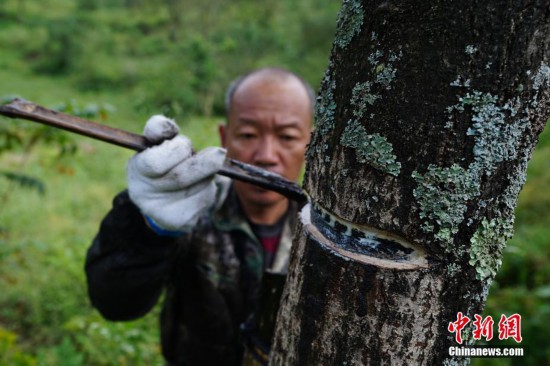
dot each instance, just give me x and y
(172, 187)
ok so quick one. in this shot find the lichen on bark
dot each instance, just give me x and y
(497, 131)
(497, 127)
(542, 76)
(374, 149)
(324, 117)
(350, 20)
(362, 97)
(487, 244)
(442, 194)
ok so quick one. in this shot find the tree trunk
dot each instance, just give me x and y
(427, 116)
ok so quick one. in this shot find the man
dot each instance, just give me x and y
(208, 242)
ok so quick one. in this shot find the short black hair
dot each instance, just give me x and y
(235, 84)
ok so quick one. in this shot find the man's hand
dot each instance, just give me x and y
(170, 185)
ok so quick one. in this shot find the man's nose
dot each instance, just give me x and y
(266, 153)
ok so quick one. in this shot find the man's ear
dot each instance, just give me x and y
(221, 130)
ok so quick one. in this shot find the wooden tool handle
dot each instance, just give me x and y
(234, 169)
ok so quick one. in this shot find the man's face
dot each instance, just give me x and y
(269, 126)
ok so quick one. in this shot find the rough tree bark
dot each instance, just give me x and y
(427, 116)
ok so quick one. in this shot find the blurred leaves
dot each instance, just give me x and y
(175, 57)
(24, 181)
(10, 353)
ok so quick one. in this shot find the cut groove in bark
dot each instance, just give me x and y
(362, 243)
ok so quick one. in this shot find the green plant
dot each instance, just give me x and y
(62, 354)
(10, 352)
(62, 47)
(134, 343)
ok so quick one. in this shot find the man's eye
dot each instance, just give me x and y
(247, 136)
(287, 137)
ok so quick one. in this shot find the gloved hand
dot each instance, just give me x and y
(171, 186)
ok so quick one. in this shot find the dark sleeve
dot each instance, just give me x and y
(127, 264)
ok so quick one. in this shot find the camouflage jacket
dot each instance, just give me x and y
(211, 275)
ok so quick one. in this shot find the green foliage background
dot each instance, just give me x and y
(119, 61)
